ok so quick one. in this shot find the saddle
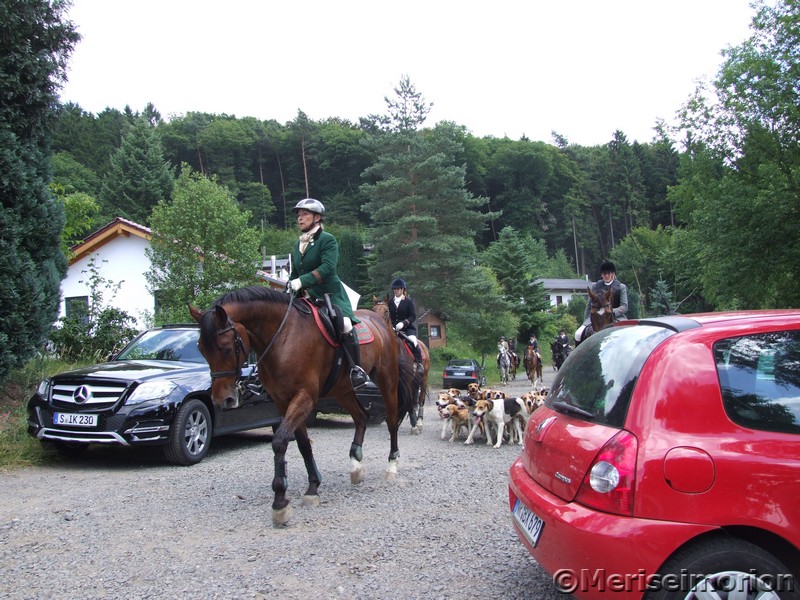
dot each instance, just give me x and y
(330, 321)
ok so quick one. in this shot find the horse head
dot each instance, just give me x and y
(601, 312)
(381, 307)
(225, 346)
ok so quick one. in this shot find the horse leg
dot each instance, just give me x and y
(415, 415)
(393, 425)
(281, 509)
(311, 497)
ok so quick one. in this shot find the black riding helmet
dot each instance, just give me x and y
(398, 283)
(607, 267)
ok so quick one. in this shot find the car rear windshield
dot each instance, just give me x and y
(759, 376)
(598, 379)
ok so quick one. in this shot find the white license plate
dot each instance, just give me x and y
(458, 374)
(530, 524)
(75, 420)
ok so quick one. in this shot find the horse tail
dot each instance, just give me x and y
(405, 387)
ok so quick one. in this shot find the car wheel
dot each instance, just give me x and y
(68, 449)
(190, 434)
(724, 569)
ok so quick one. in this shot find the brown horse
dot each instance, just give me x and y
(295, 364)
(420, 393)
(601, 313)
(533, 365)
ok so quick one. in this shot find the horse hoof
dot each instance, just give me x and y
(416, 430)
(309, 500)
(357, 476)
(390, 476)
(281, 516)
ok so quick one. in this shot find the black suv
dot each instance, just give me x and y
(156, 391)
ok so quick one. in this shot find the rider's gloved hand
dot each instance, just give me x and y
(399, 326)
(295, 285)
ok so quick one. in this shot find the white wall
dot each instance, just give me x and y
(127, 263)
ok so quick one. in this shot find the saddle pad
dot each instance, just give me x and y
(364, 333)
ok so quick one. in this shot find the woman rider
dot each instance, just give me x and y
(314, 259)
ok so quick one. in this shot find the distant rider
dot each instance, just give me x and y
(403, 314)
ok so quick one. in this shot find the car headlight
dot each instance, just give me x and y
(44, 388)
(151, 390)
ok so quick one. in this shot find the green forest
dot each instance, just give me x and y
(702, 217)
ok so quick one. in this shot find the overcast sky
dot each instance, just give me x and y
(582, 68)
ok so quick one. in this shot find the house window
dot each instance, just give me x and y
(435, 332)
(559, 300)
(77, 307)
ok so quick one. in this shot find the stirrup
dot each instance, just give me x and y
(359, 378)
(419, 368)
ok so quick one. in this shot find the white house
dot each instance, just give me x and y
(118, 252)
(561, 291)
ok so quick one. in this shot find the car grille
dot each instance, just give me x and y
(87, 396)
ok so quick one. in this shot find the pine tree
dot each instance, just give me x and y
(35, 42)
(139, 177)
(514, 270)
(424, 219)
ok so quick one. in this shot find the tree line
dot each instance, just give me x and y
(702, 217)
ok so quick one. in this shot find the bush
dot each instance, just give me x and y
(17, 448)
(79, 338)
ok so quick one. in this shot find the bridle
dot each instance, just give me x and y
(238, 345)
(239, 348)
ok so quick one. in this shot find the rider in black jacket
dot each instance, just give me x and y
(404, 314)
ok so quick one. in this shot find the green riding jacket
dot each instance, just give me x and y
(317, 271)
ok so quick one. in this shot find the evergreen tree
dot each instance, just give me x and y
(514, 271)
(139, 177)
(424, 220)
(201, 246)
(35, 42)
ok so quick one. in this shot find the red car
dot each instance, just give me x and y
(666, 461)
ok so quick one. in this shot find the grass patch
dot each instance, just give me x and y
(17, 448)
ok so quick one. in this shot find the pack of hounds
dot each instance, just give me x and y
(488, 413)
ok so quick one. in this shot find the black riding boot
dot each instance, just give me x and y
(418, 367)
(358, 376)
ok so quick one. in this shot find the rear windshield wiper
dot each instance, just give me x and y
(565, 407)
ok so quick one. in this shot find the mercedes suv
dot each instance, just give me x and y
(156, 391)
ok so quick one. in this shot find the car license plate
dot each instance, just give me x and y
(530, 524)
(458, 374)
(75, 420)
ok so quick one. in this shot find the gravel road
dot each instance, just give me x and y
(120, 523)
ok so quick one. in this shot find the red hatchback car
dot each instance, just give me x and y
(666, 461)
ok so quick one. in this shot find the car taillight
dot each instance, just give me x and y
(609, 483)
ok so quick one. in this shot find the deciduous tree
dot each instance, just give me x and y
(202, 246)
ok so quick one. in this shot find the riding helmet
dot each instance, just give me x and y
(398, 283)
(608, 267)
(311, 205)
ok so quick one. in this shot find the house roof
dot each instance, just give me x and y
(119, 227)
(575, 285)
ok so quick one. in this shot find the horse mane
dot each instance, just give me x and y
(245, 295)
(253, 293)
